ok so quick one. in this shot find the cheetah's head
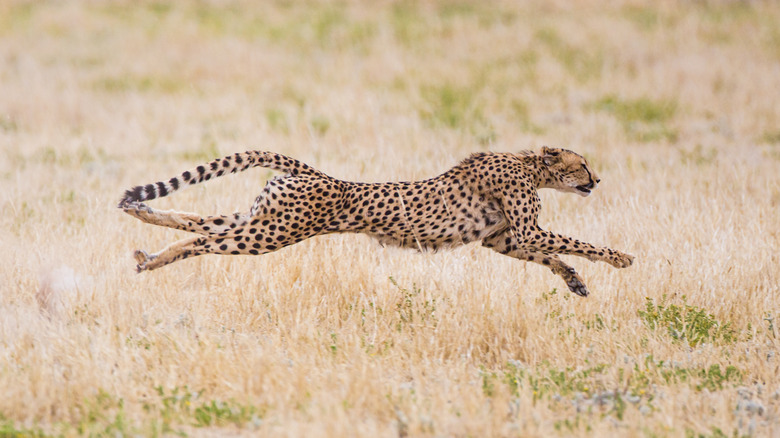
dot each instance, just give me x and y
(569, 171)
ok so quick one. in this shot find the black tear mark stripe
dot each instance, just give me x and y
(237, 162)
(590, 177)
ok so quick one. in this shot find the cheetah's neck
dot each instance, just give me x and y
(541, 175)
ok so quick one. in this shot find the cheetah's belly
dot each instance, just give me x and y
(444, 229)
(485, 220)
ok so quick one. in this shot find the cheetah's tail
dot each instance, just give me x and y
(237, 162)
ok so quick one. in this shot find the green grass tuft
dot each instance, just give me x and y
(451, 106)
(319, 125)
(9, 429)
(277, 120)
(408, 24)
(643, 109)
(583, 63)
(128, 83)
(771, 137)
(643, 119)
(686, 323)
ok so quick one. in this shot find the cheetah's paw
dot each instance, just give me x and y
(574, 281)
(577, 286)
(137, 209)
(143, 259)
(621, 260)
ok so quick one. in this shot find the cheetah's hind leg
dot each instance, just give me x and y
(168, 218)
(190, 222)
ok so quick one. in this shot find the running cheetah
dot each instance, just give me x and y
(488, 197)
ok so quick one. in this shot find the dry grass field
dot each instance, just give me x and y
(677, 104)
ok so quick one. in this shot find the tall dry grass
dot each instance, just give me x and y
(674, 103)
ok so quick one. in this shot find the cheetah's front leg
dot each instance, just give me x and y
(550, 243)
(505, 244)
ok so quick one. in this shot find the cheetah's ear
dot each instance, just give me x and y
(549, 156)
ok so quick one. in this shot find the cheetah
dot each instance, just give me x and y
(488, 197)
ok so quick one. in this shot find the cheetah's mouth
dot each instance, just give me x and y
(584, 189)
